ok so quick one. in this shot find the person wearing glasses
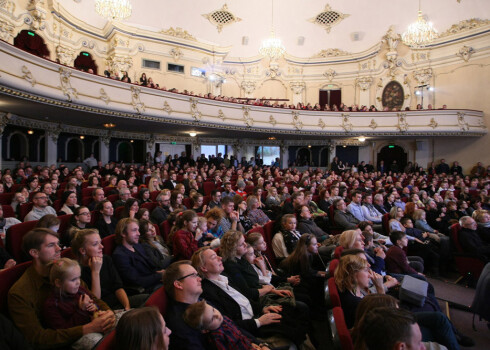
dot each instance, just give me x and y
(183, 287)
(163, 210)
(40, 207)
(136, 270)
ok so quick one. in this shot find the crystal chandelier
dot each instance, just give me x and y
(113, 9)
(420, 33)
(272, 46)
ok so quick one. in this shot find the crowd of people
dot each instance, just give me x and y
(228, 284)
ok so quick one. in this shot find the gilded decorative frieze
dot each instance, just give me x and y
(465, 52)
(27, 75)
(167, 108)
(221, 115)
(330, 53)
(328, 18)
(463, 125)
(373, 125)
(273, 71)
(119, 63)
(247, 119)
(104, 97)
(65, 55)
(402, 122)
(364, 83)
(297, 87)
(176, 53)
(37, 18)
(8, 6)
(194, 111)
(321, 123)
(423, 76)
(222, 17)
(391, 38)
(465, 25)
(297, 123)
(248, 86)
(272, 120)
(6, 31)
(346, 123)
(433, 124)
(178, 33)
(68, 90)
(329, 74)
(136, 100)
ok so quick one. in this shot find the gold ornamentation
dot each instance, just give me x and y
(465, 25)
(297, 123)
(402, 122)
(346, 124)
(321, 123)
(104, 97)
(178, 33)
(119, 63)
(221, 115)
(248, 86)
(465, 52)
(272, 120)
(297, 87)
(65, 55)
(331, 53)
(194, 111)
(28, 75)
(463, 125)
(433, 124)
(329, 74)
(138, 106)
(423, 76)
(364, 83)
(328, 18)
(273, 70)
(373, 125)
(66, 87)
(37, 21)
(176, 53)
(391, 38)
(221, 18)
(8, 5)
(247, 119)
(167, 108)
(6, 30)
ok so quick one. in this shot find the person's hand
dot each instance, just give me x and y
(109, 320)
(265, 289)
(376, 278)
(273, 308)
(85, 302)
(391, 282)
(269, 318)
(95, 263)
(294, 280)
(132, 213)
(260, 262)
(198, 234)
(380, 252)
(381, 241)
(425, 234)
(10, 263)
(420, 273)
(234, 216)
(282, 293)
(204, 208)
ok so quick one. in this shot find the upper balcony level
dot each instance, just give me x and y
(41, 89)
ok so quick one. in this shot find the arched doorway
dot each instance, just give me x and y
(390, 153)
(74, 150)
(303, 157)
(124, 152)
(17, 146)
(84, 61)
(31, 42)
(323, 157)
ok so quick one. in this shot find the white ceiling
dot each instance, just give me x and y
(371, 18)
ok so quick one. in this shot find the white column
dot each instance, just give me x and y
(104, 149)
(284, 156)
(51, 147)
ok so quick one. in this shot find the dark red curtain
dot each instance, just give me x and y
(84, 62)
(323, 100)
(29, 41)
(335, 97)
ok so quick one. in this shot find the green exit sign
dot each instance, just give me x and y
(173, 143)
(31, 34)
(391, 146)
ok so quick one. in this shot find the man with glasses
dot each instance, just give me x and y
(215, 199)
(27, 295)
(183, 286)
(40, 207)
(162, 211)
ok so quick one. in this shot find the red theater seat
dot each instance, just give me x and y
(158, 299)
(13, 239)
(340, 334)
(8, 278)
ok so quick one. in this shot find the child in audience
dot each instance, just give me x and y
(71, 304)
(396, 259)
(220, 330)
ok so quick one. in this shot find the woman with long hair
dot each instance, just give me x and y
(176, 200)
(69, 203)
(131, 207)
(106, 223)
(79, 221)
(154, 246)
(182, 236)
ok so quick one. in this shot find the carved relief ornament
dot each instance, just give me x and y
(423, 76)
(465, 25)
(248, 86)
(119, 63)
(178, 33)
(465, 53)
(68, 90)
(27, 75)
(65, 55)
(329, 74)
(37, 19)
(364, 83)
(136, 101)
(6, 31)
(297, 87)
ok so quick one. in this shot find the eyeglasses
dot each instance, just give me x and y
(87, 213)
(193, 275)
(41, 197)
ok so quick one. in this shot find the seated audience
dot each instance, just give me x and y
(40, 207)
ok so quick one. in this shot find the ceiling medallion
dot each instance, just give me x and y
(113, 9)
(221, 18)
(328, 18)
(420, 33)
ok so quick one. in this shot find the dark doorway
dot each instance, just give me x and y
(304, 157)
(74, 151)
(348, 154)
(29, 41)
(125, 152)
(330, 98)
(84, 62)
(392, 153)
(324, 157)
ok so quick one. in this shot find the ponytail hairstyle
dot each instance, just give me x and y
(58, 269)
(180, 220)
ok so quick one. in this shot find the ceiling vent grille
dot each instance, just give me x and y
(221, 18)
(328, 18)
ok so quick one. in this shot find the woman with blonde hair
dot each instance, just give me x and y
(154, 184)
(352, 278)
(352, 239)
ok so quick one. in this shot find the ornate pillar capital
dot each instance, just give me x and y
(297, 87)
(364, 83)
(65, 55)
